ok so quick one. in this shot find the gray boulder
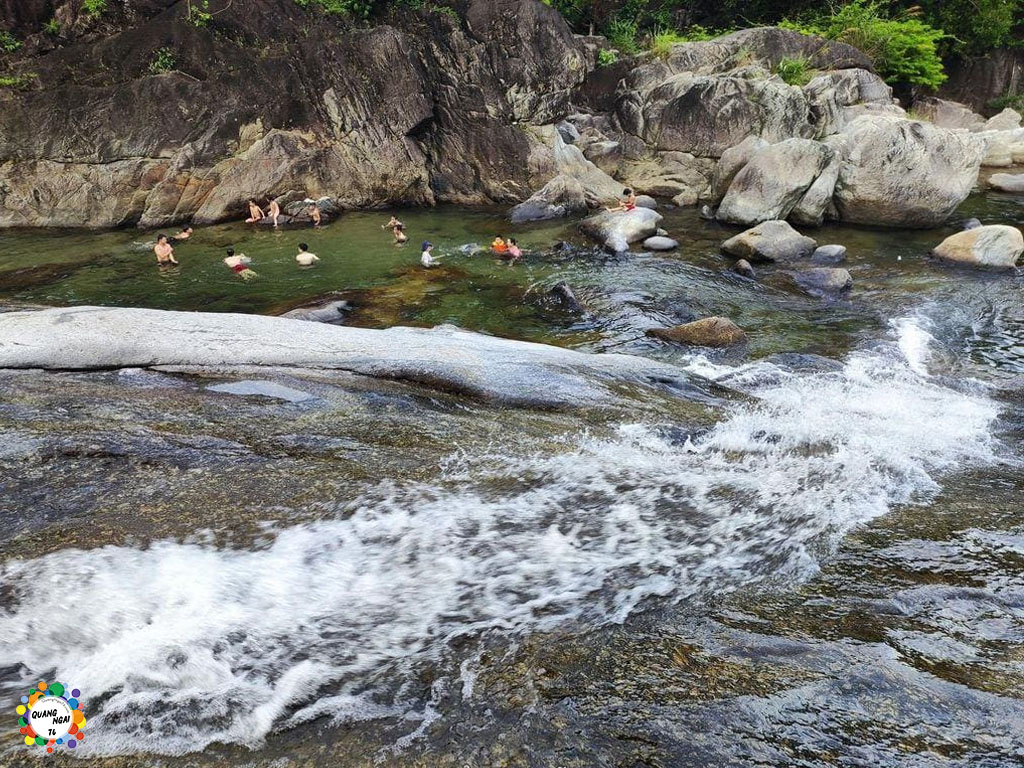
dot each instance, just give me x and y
(970, 224)
(948, 114)
(742, 267)
(560, 197)
(994, 245)
(660, 244)
(498, 370)
(606, 155)
(824, 281)
(829, 254)
(709, 332)
(1007, 182)
(998, 149)
(774, 181)
(646, 201)
(333, 312)
(615, 230)
(816, 204)
(569, 133)
(677, 175)
(1007, 120)
(901, 173)
(732, 162)
(770, 241)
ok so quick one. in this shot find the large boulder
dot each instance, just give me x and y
(995, 245)
(560, 197)
(902, 173)
(998, 149)
(824, 281)
(1007, 120)
(770, 241)
(732, 162)
(615, 230)
(709, 332)
(948, 114)
(1007, 182)
(499, 370)
(678, 175)
(816, 204)
(774, 181)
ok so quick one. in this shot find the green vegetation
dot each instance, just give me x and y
(94, 8)
(8, 42)
(1014, 102)
(18, 82)
(52, 27)
(199, 13)
(163, 61)
(904, 49)
(794, 71)
(363, 9)
(606, 57)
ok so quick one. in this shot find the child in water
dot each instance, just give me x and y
(499, 246)
(514, 254)
(427, 259)
(397, 229)
(239, 265)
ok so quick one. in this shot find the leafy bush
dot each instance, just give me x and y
(973, 26)
(662, 42)
(8, 42)
(94, 8)
(621, 33)
(52, 27)
(794, 71)
(199, 13)
(606, 57)
(360, 9)
(1014, 102)
(904, 49)
(163, 61)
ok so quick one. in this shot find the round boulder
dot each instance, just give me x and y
(770, 241)
(659, 243)
(994, 245)
(709, 332)
(742, 267)
(822, 281)
(829, 254)
(646, 201)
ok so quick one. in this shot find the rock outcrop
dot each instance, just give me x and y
(493, 369)
(995, 245)
(284, 101)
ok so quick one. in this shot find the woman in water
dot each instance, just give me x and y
(514, 254)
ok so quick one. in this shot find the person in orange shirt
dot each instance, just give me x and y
(499, 245)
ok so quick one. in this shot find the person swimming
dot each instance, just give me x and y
(256, 214)
(397, 229)
(627, 203)
(514, 253)
(164, 251)
(304, 257)
(499, 245)
(274, 211)
(427, 259)
(185, 234)
(239, 264)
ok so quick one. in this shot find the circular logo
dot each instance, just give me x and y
(52, 715)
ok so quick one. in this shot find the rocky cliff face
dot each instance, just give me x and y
(272, 99)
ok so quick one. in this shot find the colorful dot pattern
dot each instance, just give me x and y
(72, 696)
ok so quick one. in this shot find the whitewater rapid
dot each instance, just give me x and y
(187, 644)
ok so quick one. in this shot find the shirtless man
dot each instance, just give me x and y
(314, 214)
(397, 229)
(185, 234)
(275, 211)
(304, 257)
(255, 213)
(239, 264)
(164, 251)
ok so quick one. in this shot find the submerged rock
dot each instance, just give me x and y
(770, 241)
(709, 332)
(564, 296)
(498, 370)
(617, 229)
(659, 243)
(742, 267)
(329, 312)
(994, 245)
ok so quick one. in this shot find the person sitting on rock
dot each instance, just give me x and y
(427, 259)
(185, 234)
(499, 245)
(274, 211)
(314, 214)
(164, 251)
(255, 213)
(627, 203)
(239, 264)
(304, 257)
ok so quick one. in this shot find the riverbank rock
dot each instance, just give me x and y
(770, 241)
(646, 201)
(333, 312)
(1007, 120)
(658, 243)
(948, 114)
(562, 196)
(732, 162)
(829, 254)
(1007, 182)
(901, 173)
(615, 230)
(774, 181)
(824, 281)
(503, 371)
(994, 245)
(709, 332)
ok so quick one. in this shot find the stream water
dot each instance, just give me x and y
(826, 571)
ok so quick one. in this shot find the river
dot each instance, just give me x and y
(826, 569)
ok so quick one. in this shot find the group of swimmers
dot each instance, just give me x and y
(256, 214)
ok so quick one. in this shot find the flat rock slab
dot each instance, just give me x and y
(1007, 182)
(503, 371)
(829, 254)
(617, 229)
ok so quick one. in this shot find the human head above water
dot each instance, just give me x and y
(427, 246)
(161, 238)
(303, 247)
(231, 251)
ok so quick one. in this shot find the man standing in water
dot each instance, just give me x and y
(305, 258)
(164, 251)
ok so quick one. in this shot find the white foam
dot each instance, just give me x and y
(191, 644)
(914, 342)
